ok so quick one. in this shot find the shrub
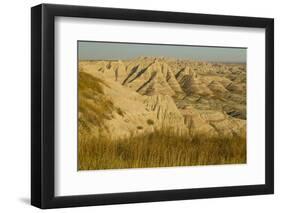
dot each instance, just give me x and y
(120, 112)
(150, 122)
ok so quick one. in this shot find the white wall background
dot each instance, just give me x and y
(15, 105)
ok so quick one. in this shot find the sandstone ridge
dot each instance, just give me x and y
(147, 94)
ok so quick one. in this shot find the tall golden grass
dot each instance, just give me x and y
(159, 149)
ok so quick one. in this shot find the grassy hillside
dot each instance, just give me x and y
(94, 107)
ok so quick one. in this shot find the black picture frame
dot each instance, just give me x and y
(43, 102)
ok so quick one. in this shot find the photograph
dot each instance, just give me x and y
(160, 105)
(121, 96)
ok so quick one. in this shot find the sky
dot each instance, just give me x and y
(91, 50)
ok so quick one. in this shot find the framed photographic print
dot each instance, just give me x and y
(139, 106)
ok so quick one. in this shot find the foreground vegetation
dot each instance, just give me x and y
(159, 149)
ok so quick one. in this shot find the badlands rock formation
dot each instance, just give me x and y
(119, 99)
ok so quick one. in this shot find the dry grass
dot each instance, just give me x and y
(159, 149)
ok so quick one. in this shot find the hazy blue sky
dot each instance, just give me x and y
(111, 51)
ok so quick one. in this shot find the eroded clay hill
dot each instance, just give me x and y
(126, 98)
